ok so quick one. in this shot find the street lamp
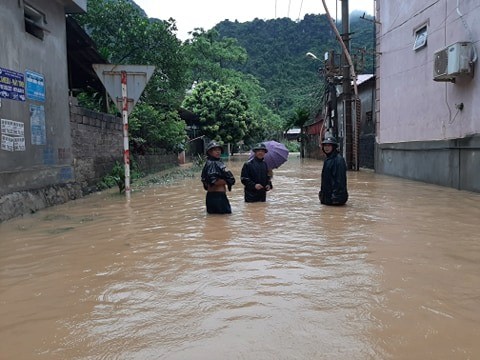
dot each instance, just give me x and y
(315, 57)
(331, 117)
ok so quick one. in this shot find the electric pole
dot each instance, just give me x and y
(347, 88)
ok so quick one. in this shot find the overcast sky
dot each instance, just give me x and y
(190, 14)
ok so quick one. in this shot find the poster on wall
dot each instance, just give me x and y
(12, 85)
(35, 85)
(13, 135)
(37, 125)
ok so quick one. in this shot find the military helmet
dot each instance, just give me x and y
(213, 144)
(330, 140)
(260, 146)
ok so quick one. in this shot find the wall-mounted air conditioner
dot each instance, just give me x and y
(453, 61)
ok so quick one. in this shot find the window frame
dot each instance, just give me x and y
(421, 37)
(35, 21)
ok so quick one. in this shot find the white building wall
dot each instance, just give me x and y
(412, 106)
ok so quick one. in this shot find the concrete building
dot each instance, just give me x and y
(36, 146)
(428, 92)
(366, 136)
(315, 131)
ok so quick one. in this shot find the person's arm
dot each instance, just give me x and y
(228, 177)
(339, 171)
(245, 177)
(269, 185)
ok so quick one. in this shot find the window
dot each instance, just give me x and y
(35, 22)
(420, 38)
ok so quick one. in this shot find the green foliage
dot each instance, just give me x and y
(276, 57)
(125, 35)
(91, 99)
(213, 59)
(199, 161)
(210, 57)
(292, 146)
(264, 124)
(222, 110)
(151, 129)
(169, 176)
(116, 177)
(298, 119)
(252, 77)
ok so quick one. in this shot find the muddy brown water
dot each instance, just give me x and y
(395, 274)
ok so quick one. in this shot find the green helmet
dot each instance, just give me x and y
(213, 144)
(330, 140)
(260, 146)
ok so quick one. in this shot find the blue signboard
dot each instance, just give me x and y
(35, 85)
(37, 124)
(12, 85)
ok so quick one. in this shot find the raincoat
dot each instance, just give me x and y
(216, 201)
(333, 190)
(254, 172)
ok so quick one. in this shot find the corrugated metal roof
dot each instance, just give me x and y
(81, 54)
(364, 77)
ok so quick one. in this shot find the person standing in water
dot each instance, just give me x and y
(255, 176)
(216, 178)
(333, 190)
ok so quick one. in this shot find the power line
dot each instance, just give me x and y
(300, 11)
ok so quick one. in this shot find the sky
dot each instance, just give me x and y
(190, 14)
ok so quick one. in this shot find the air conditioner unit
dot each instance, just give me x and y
(453, 61)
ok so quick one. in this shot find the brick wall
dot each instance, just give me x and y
(97, 142)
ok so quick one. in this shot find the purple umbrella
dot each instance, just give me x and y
(277, 154)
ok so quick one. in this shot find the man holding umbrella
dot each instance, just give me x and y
(255, 176)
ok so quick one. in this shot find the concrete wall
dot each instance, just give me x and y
(452, 163)
(97, 143)
(49, 155)
(422, 133)
(43, 152)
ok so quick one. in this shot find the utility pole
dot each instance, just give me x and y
(347, 88)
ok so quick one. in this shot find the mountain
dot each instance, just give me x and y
(277, 55)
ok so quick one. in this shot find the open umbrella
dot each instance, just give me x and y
(277, 154)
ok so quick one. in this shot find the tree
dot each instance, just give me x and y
(151, 129)
(276, 56)
(125, 35)
(212, 58)
(222, 110)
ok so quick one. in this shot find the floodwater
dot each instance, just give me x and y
(395, 274)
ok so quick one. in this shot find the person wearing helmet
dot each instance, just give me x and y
(333, 190)
(216, 178)
(255, 176)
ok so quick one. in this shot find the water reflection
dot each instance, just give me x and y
(394, 274)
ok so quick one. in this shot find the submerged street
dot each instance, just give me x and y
(394, 274)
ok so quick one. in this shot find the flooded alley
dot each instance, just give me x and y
(394, 274)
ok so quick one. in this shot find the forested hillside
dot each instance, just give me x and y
(245, 82)
(276, 55)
